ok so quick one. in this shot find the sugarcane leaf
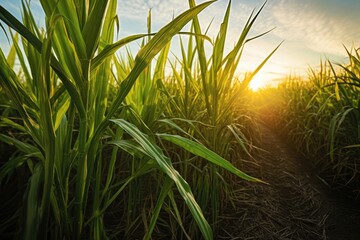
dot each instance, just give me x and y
(153, 47)
(165, 165)
(200, 150)
(165, 189)
(26, 148)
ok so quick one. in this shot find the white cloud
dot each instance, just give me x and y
(162, 10)
(135, 12)
(310, 28)
(318, 28)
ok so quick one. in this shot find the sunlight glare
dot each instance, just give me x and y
(261, 80)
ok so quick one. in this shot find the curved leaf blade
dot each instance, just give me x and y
(165, 165)
(201, 151)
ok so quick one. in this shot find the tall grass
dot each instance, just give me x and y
(205, 105)
(97, 143)
(321, 115)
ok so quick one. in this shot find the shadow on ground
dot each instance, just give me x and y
(295, 204)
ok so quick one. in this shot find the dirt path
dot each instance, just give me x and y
(296, 204)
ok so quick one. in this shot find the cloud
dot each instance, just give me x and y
(315, 25)
(162, 10)
(135, 11)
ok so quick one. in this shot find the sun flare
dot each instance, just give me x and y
(261, 80)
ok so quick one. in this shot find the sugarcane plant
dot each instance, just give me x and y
(75, 123)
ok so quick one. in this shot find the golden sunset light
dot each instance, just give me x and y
(261, 80)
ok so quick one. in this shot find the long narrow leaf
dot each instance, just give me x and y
(200, 150)
(165, 165)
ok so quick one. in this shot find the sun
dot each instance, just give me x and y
(256, 84)
(261, 80)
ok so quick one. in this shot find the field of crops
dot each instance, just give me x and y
(100, 145)
(321, 116)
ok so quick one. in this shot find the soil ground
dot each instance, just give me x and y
(295, 205)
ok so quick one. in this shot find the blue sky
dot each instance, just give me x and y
(311, 29)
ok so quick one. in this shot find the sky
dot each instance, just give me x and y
(312, 30)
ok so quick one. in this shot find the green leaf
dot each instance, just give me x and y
(165, 165)
(28, 149)
(10, 166)
(200, 150)
(165, 189)
(8, 122)
(68, 10)
(33, 210)
(152, 48)
(130, 146)
(110, 49)
(12, 22)
(93, 26)
(12, 53)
